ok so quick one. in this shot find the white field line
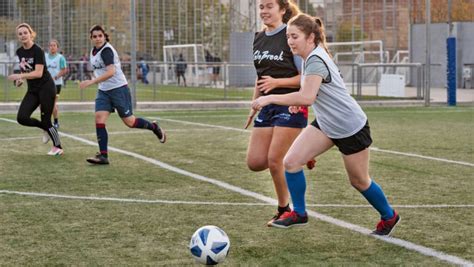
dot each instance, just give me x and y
(134, 131)
(204, 125)
(21, 138)
(371, 148)
(184, 202)
(422, 157)
(396, 241)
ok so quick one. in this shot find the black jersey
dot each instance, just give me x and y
(28, 59)
(272, 57)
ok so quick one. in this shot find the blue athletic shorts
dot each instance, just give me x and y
(116, 99)
(276, 115)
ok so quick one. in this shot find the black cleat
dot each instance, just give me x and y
(99, 159)
(277, 215)
(160, 133)
(290, 219)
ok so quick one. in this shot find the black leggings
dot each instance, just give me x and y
(44, 98)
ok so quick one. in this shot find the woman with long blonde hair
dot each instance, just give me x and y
(41, 89)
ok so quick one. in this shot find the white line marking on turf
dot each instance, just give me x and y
(20, 138)
(204, 125)
(163, 201)
(396, 241)
(421, 156)
(371, 148)
(135, 131)
(132, 200)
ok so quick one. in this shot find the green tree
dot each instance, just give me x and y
(344, 32)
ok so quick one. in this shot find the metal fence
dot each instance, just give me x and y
(210, 23)
(225, 81)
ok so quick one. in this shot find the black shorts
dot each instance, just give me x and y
(352, 144)
(58, 89)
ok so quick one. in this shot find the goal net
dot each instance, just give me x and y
(193, 56)
(347, 53)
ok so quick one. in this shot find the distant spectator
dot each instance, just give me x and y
(209, 59)
(143, 69)
(216, 70)
(181, 69)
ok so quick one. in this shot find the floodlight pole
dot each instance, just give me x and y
(133, 53)
(428, 52)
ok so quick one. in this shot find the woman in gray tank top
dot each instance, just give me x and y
(340, 122)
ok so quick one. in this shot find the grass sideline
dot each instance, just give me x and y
(51, 231)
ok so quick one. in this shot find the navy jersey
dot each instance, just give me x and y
(272, 57)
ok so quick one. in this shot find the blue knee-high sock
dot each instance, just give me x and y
(102, 137)
(376, 197)
(143, 124)
(297, 187)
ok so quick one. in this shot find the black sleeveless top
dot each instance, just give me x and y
(272, 57)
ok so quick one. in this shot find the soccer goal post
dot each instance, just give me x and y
(192, 55)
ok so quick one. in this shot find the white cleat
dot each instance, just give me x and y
(46, 137)
(56, 151)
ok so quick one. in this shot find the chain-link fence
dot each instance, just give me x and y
(361, 32)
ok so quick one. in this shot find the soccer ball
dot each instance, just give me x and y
(209, 245)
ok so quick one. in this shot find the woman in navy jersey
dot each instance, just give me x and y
(340, 121)
(41, 89)
(275, 128)
(113, 93)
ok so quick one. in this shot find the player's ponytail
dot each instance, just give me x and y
(311, 25)
(322, 34)
(291, 9)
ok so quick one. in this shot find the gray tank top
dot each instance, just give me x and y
(338, 114)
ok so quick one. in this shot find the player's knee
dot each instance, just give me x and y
(22, 120)
(291, 163)
(256, 165)
(274, 163)
(359, 183)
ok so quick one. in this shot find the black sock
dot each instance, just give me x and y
(283, 209)
(104, 154)
(143, 124)
(55, 121)
(102, 137)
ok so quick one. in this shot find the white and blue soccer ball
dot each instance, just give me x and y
(209, 245)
